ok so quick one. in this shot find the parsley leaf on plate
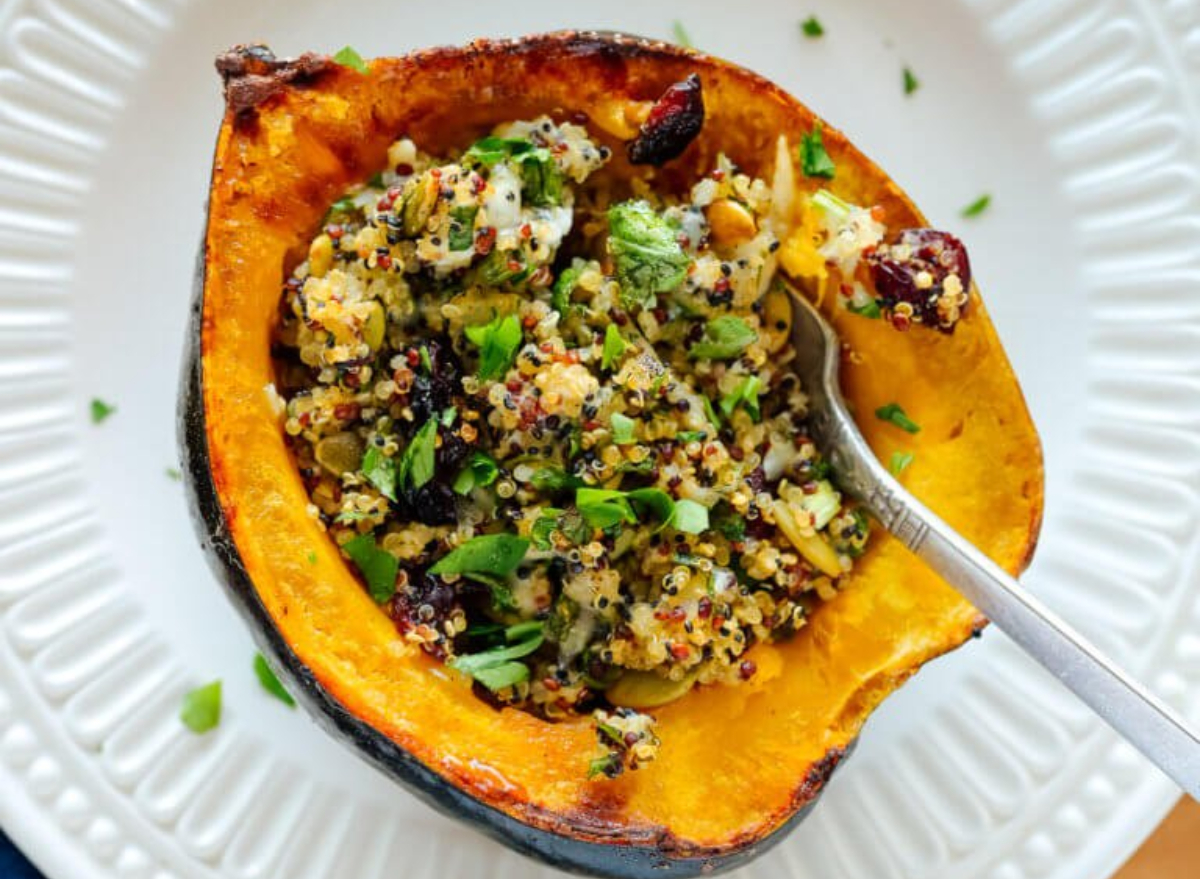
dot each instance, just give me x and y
(270, 682)
(201, 708)
(101, 410)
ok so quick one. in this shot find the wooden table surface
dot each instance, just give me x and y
(1173, 852)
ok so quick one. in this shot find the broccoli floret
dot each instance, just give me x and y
(648, 256)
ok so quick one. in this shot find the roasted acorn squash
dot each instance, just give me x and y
(740, 764)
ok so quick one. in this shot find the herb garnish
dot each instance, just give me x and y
(174, 474)
(101, 410)
(894, 414)
(812, 27)
(497, 669)
(681, 35)
(417, 463)
(869, 309)
(746, 395)
(645, 247)
(609, 766)
(814, 160)
(614, 347)
(606, 507)
(380, 471)
(462, 227)
(270, 682)
(492, 555)
(564, 286)
(899, 462)
(378, 567)
(724, 338)
(348, 57)
(479, 472)
(690, 517)
(497, 342)
(622, 429)
(977, 207)
(554, 479)
(201, 709)
(911, 83)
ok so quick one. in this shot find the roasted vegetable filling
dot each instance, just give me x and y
(554, 428)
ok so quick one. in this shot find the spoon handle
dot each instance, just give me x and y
(1132, 710)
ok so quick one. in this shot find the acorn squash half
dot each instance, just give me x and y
(739, 764)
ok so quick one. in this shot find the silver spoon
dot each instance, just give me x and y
(1128, 707)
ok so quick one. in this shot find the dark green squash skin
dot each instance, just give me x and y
(619, 859)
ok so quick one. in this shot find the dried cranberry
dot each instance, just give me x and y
(759, 528)
(756, 480)
(432, 504)
(674, 121)
(432, 393)
(452, 452)
(925, 271)
(424, 600)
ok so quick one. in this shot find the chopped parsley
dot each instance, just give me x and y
(564, 286)
(462, 227)
(977, 207)
(894, 414)
(495, 555)
(174, 474)
(270, 681)
(541, 180)
(622, 429)
(911, 83)
(609, 766)
(554, 479)
(681, 35)
(614, 347)
(724, 338)
(744, 395)
(497, 342)
(417, 463)
(101, 410)
(312, 556)
(480, 471)
(690, 517)
(347, 56)
(899, 462)
(487, 151)
(378, 567)
(497, 668)
(868, 308)
(201, 708)
(814, 160)
(605, 508)
(646, 250)
(380, 471)
(812, 27)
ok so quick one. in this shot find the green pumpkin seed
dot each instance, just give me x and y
(645, 689)
(340, 453)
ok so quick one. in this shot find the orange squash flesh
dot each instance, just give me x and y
(736, 762)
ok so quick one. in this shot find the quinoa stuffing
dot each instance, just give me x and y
(557, 433)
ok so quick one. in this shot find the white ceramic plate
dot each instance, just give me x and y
(1080, 116)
